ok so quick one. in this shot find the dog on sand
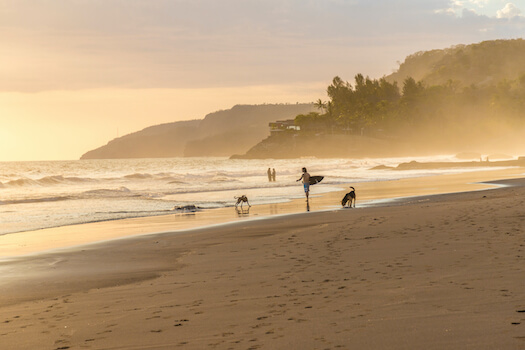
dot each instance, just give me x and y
(241, 200)
(349, 198)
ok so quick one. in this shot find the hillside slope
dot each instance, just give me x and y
(487, 62)
(159, 141)
(475, 100)
(467, 98)
(221, 133)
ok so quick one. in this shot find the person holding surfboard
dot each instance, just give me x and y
(306, 182)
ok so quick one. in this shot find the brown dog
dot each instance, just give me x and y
(241, 200)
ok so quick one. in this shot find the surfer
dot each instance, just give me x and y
(306, 182)
(273, 174)
(269, 174)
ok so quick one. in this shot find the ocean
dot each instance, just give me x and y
(43, 194)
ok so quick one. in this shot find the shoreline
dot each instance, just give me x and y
(76, 236)
(435, 271)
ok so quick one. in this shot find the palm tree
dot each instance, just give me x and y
(321, 105)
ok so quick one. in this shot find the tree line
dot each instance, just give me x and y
(375, 107)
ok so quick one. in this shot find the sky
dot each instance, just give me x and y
(75, 74)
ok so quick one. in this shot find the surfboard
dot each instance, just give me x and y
(315, 179)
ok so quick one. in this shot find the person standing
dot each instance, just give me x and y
(306, 182)
(269, 174)
(273, 174)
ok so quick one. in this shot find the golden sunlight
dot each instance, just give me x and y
(59, 125)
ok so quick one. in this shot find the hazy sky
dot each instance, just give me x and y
(74, 74)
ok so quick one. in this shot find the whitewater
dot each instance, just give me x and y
(44, 194)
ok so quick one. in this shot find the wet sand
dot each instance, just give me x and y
(369, 193)
(434, 271)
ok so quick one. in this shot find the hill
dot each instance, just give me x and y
(159, 141)
(467, 98)
(281, 146)
(484, 63)
(221, 133)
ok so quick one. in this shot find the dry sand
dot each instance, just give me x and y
(439, 272)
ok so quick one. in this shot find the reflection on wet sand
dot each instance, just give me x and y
(242, 212)
(274, 209)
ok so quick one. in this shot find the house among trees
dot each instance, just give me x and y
(283, 125)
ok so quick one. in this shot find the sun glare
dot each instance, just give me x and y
(35, 124)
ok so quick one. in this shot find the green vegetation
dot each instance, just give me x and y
(460, 99)
(464, 95)
(485, 63)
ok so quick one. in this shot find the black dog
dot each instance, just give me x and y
(349, 198)
(241, 200)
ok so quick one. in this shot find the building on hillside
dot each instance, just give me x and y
(283, 125)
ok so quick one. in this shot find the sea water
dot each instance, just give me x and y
(36, 195)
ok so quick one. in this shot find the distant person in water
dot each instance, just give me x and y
(273, 174)
(306, 182)
(269, 174)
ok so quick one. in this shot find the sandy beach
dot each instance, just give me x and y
(441, 269)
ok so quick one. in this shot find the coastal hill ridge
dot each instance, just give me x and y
(466, 98)
(220, 133)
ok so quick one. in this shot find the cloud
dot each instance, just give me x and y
(458, 7)
(76, 44)
(488, 8)
(509, 11)
(480, 3)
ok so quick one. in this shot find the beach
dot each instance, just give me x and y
(434, 262)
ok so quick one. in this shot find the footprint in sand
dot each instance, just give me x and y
(179, 323)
